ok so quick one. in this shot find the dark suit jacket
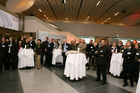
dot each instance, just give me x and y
(31, 44)
(67, 47)
(3, 49)
(50, 47)
(102, 55)
(90, 50)
(44, 46)
(13, 48)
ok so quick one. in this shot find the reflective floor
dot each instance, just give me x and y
(52, 80)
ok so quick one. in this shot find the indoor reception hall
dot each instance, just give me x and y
(69, 46)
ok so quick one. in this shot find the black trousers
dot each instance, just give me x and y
(64, 59)
(136, 76)
(49, 59)
(7, 62)
(128, 72)
(101, 70)
(2, 61)
(11, 61)
(42, 58)
(1, 65)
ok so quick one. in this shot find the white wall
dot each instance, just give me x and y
(100, 30)
(33, 24)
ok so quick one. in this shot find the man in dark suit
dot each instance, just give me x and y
(3, 50)
(129, 64)
(43, 50)
(49, 49)
(90, 51)
(31, 43)
(101, 55)
(65, 47)
(12, 53)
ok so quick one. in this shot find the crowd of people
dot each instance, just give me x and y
(98, 54)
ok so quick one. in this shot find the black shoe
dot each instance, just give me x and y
(97, 80)
(103, 83)
(124, 85)
(132, 85)
(94, 69)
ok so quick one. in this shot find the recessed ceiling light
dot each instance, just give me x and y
(108, 18)
(66, 18)
(39, 10)
(116, 14)
(98, 3)
(88, 17)
(45, 16)
(105, 21)
(102, 22)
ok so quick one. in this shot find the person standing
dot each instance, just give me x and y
(3, 52)
(12, 53)
(128, 64)
(90, 51)
(137, 64)
(82, 46)
(37, 50)
(49, 49)
(73, 45)
(120, 46)
(80, 41)
(101, 57)
(7, 62)
(31, 43)
(65, 48)
(43, 50)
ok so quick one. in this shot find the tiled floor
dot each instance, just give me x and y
(88, 84)
(52, 80)
(10, 82)
(43, 81)
(114, 81)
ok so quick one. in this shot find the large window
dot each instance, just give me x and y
(8, 21)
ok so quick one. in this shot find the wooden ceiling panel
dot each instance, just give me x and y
(79, 10)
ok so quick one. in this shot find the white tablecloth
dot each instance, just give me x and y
(26, 58)
(75, 66)
(138, 86)
(57, 56)
(116, 64)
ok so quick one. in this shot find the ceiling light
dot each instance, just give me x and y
(105, 21)
(39, 10)
(98, 3)
(108, 18)
(53, 26)
(116, 14)
(66, 18)
(45, 16)
(88, 17)
(102, 22)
